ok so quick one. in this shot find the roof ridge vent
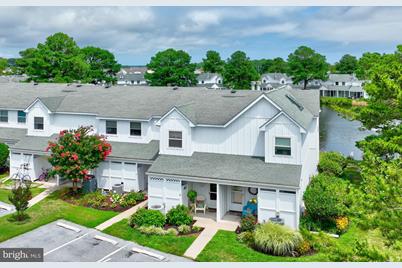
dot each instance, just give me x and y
(295, 102)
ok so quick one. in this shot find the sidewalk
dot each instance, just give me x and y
(124, 215)
(211, 227)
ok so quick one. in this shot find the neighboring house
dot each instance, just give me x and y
(271, 81)
(12, 78)
(210, 80)
(132, 76)
(229, 146)
(343, 85)
(131, 79)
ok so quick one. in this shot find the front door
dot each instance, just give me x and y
(236, 198)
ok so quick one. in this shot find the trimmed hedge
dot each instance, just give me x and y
(147, 217)
(4, 153)
(326, 197)
(179, 215)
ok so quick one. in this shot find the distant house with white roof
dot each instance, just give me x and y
(210, 80)
(343, 85)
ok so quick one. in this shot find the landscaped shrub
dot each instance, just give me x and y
(196, 229)
(326, 197)
(342, 224)
(246, 238)
(172, 231)
(248, 223)
(95, 199)
(184, 229)
(179, 215)
(276, 239)
(147, 217)
(303, 248)
(137, 196)
(332, 163)
(19, 197)
(4, 152)
(151, 230)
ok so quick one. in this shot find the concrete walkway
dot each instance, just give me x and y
(124, 215)
(49, 189)
(211, 227)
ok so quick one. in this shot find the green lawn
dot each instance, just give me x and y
(224, 247)
(51, 209)
(4, 193)
(176, 245)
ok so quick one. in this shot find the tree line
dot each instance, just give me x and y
(59, 59)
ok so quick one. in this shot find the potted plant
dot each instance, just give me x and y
(192, 195)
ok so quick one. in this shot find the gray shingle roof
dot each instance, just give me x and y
(277, 76)
(122, 150)
(227, 167)
(11, 135)
(343, 88)
(341, 77)
(203, 106)
(206, 76)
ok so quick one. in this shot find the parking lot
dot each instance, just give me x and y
(64, 241)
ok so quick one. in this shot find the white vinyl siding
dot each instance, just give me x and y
(115, 172)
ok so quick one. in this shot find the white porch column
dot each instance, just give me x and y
(218, 203)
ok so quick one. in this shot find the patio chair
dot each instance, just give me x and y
(200, 204)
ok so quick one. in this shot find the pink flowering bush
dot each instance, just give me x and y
(76, 152)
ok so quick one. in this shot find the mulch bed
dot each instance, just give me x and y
(74, 199)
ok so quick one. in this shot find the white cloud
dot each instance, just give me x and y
(353, 25)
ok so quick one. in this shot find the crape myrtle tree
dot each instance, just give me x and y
(76, 152)
(171, 68)
(304, 65)
(239, 71)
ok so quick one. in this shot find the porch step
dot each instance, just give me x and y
(202, 240)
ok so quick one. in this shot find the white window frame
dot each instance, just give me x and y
(4, 116)
(140, 129)
(175, 139)
(43, 123)
(290, 146)
(106, 127)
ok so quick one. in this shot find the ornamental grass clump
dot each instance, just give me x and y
(276, 239)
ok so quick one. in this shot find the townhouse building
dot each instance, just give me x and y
(229, 146)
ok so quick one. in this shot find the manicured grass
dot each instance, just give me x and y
(3, 175)
(49, 210)
(176, 245)
(224, 247)
(4, 193)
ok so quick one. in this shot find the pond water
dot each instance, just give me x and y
(339, 134)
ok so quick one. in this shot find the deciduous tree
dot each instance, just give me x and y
(346, 65)
(305, 65)
(213, 62)
(239, 71)
(171, 67)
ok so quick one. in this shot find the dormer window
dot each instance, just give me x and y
(22, 117)
(282, 146)
(337, 83)
(3, 116)
(343, 83)
(111, 127)
(175, 139)
(39, 123)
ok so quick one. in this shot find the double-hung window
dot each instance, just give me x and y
(135, 128)
(38, 123)
(111, 127)
(175, 139)
(282, 146)
(212, 191)
(22, 117)
(4, 116)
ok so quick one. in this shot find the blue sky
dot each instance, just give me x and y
(134, 34)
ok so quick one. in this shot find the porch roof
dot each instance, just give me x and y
(145, 152)
(11, 135)
(227, 167)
